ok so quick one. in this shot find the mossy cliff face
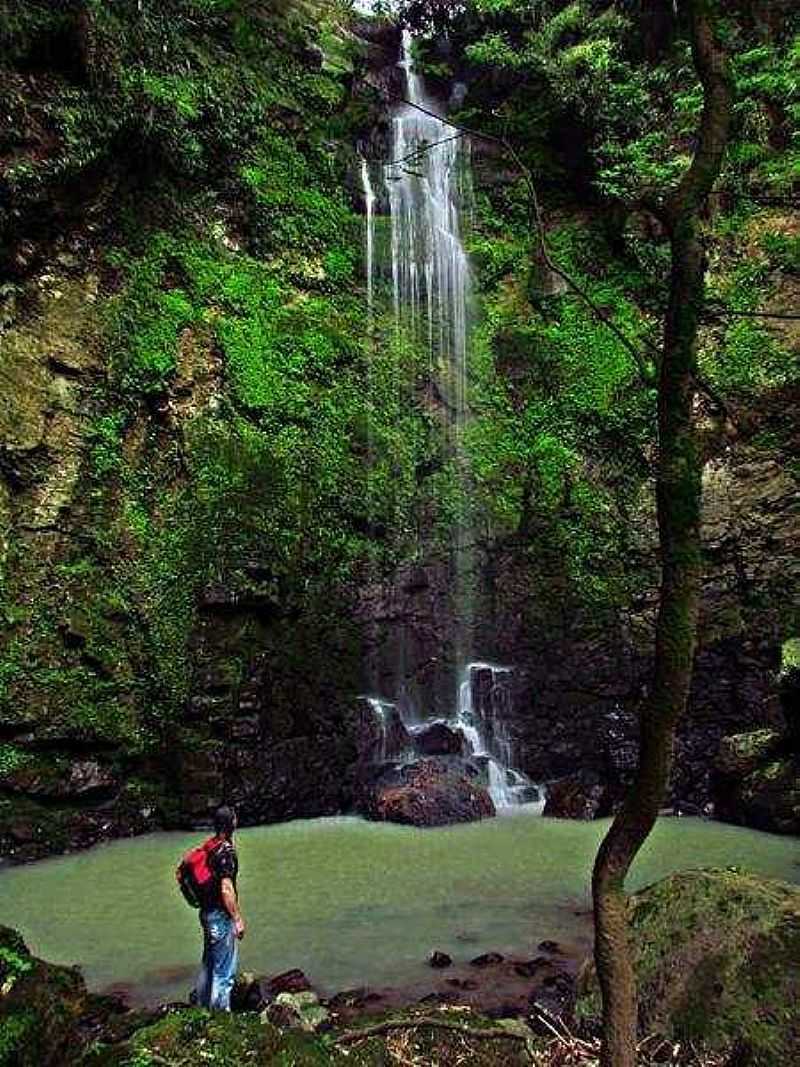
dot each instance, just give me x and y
(562, 442)
(188, 486)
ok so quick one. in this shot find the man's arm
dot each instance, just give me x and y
(229, 899)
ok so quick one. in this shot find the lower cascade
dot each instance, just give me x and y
(472, 750)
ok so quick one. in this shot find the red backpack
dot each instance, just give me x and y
(194, 875)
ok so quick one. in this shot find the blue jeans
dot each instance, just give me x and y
(220, 959)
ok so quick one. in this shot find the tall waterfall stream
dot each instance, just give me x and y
(426, 185)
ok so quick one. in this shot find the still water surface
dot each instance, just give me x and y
(348, 901)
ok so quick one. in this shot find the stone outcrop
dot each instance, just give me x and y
(756, 776)
(756, 781)
(47, 1017)
(439, 739)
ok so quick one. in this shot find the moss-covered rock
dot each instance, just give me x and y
(716, 963)
(757, 781)
(42, 1008)
(742, 753)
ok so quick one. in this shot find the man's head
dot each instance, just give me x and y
(224, 821)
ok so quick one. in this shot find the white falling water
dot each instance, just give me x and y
(369, 201)
(427, 182)
(485, 725)
(381, 710)
(430, 269)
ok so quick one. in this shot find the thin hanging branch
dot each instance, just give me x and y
(419, 152)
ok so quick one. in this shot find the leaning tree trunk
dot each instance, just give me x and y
(678, 499)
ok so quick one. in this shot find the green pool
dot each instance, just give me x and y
(350, 902)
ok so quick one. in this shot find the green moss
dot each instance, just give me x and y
(713, 951)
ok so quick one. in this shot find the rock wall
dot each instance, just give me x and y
(579, 679)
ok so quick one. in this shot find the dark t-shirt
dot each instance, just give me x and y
(224, 863)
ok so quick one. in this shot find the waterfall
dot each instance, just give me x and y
(430, 270)
(427, 186)
(484, 707)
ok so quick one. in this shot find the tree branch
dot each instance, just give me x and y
(349, 1037)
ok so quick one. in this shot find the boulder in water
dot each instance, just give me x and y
(487, 959)
(432, 792)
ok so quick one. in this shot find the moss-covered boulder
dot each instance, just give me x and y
(45, 1011)
(756, 781)
(717, 955)
(741, 754)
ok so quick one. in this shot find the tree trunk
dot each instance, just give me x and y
(678, 499)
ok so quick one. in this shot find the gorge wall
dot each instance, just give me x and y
(210, 526)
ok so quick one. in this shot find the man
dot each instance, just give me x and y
(220, 918)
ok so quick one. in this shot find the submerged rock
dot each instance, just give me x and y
(439, 960)
(487, 959)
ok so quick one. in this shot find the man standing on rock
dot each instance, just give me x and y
(220, 917)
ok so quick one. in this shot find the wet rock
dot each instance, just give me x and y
(439, 739)
(552, 947)
(293, 981)
(487, 959)
(580, 796)
(530, 968)
(380, 732)
(462, 983)
(353, 1000)
(430, 793)
(439, 959)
